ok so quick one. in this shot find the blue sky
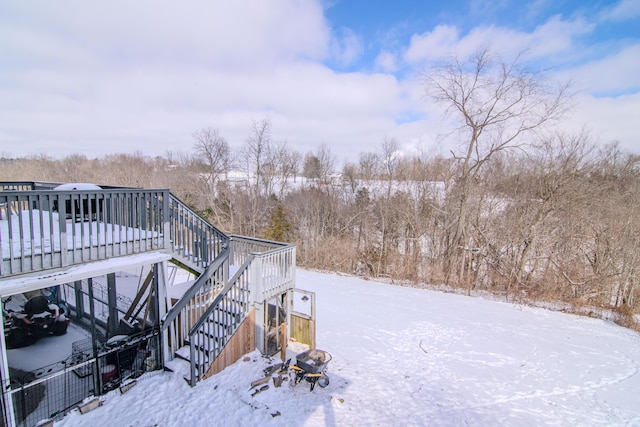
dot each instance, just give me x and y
(84, 78)
(390, 26)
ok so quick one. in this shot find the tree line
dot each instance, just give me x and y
(520, 210)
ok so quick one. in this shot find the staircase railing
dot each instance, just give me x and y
(196, 300)
(219, 322)
(195, 242)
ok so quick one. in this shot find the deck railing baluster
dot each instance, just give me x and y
(42, 228)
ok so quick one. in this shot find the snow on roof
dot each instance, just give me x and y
(84, 186)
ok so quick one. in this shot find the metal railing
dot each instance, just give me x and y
(266, 269)
(44, 229)
(219, 322)
(51, 391)
(17, 186)
(242, 247)
(187, 311)
(36, 399)
(195, 242)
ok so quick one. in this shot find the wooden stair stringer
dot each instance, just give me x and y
(243, 341)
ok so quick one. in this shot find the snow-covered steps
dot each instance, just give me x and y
(228, 308)
(206, 342)
(180, 367)
(214, 329)
(184, 353)
(181, 364)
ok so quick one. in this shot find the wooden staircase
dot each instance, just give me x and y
(205, 340)
(207, 343)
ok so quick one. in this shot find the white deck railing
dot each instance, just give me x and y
(273, 264)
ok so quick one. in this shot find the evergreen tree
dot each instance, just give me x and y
(279, 228)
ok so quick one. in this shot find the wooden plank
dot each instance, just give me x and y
(283, 342)
(303, 330)
(241, 343)
(139, 295)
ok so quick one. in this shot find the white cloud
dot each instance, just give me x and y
(434, 44)
(536, 8)
(557, 42)
(240, 32)
(346, 47)
(556, 36)
(144, 75)
(485, 8)
(155, 109)
(609, 119)
(552, 37)
(386, 62)
(624, 10)
(617, 72)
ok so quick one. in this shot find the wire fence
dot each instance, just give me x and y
(53, 390)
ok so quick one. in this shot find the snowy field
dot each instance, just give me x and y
(405, 356)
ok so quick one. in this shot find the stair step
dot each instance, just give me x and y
(179, 366)
(213, 329)
(184, 353)
(222, 315)
(231, 307)
(205, 342)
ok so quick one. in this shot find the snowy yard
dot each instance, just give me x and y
(405, 356)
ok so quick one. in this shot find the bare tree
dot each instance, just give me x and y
(257, 152)
(213, 151)
(131, 170)
(326, 161)
(390, 156)
(296, 162)
(498, 105)
(77, 168)
(349, 173)
(287, 163)
(368, 163)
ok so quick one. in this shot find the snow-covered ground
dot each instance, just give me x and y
(404, 356)
(46, 350)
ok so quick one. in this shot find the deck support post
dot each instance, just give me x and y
(7, 398)
(163, 302)
(97, 384)
(112, 300)
(257, 301)
(77, 286)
